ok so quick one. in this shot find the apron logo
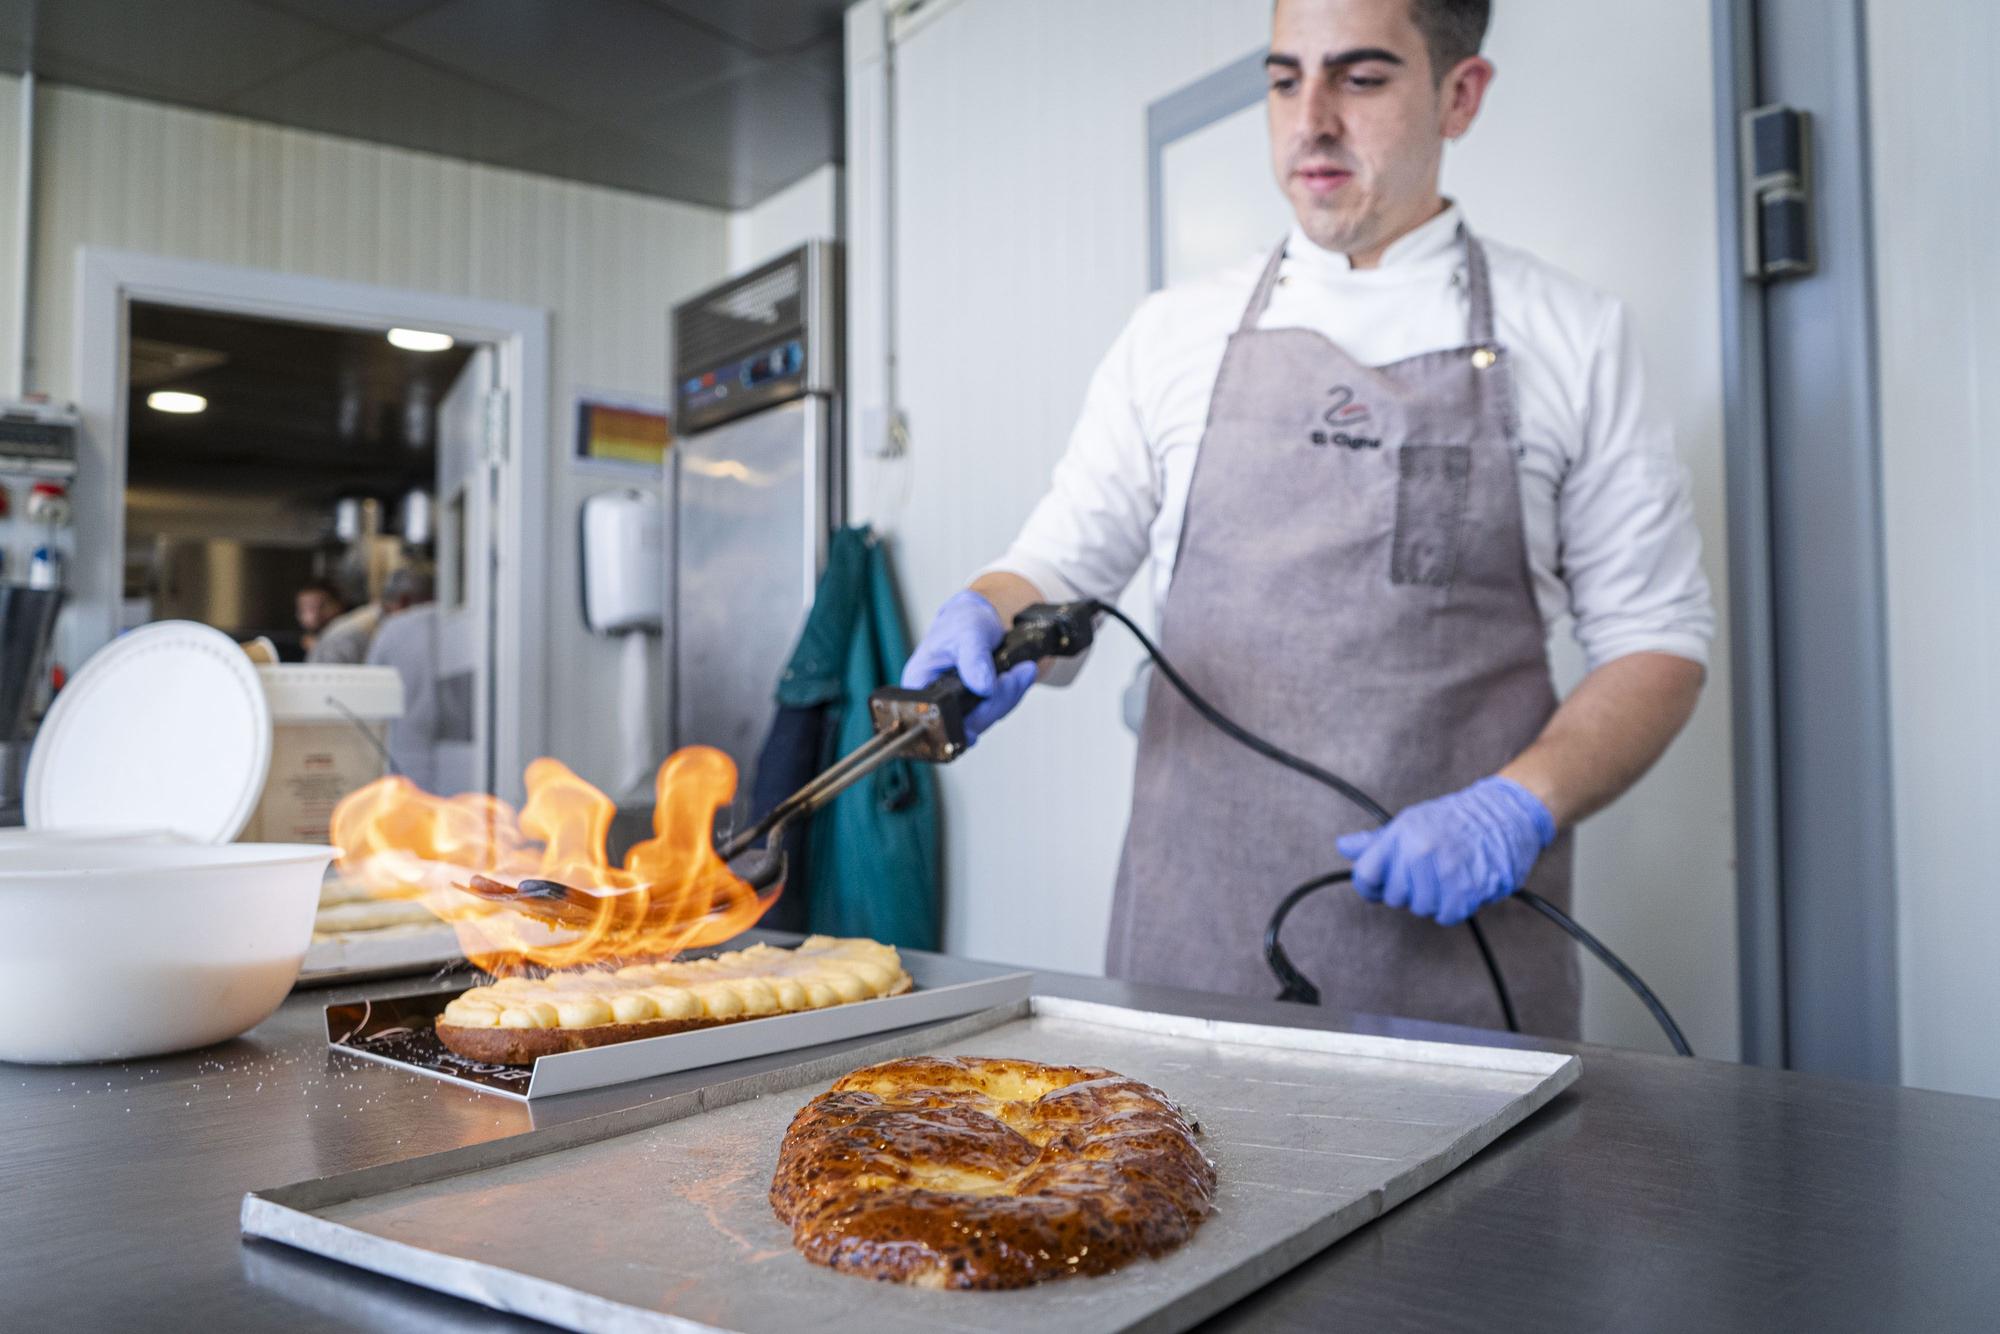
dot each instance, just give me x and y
(1342, 415)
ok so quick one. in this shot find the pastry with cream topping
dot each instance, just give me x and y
(516, 1019)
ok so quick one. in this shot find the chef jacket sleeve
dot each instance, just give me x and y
(1089, 535)
(1630, 553)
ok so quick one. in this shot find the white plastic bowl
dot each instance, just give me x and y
(111, 950)
(19, 840)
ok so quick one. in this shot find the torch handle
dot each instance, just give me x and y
(937, 710)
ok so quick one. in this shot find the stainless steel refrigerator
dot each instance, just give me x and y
(756, 479)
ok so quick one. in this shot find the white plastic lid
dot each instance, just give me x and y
(316, 693)
(164, 728)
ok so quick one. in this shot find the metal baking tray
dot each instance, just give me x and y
(655, 1218)
(393, 951)
(400, 1031)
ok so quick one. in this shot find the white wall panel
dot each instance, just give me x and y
(1022, 249)
(10, 172)
(1627, 203)
(809, 209)
(607, 264)
(1935, 129)
(1021, 234)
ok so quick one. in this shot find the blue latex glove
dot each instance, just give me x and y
(964, 635)
(1450, 857)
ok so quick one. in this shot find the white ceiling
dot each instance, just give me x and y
(717, 102)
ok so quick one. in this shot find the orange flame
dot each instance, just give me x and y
(672, 893)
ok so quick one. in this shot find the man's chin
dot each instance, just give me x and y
(1339, 227)
(1339, 235)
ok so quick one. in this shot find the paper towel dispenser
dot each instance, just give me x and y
(623, 563)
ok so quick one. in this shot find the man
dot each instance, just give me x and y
(316, 605)
(346, 638)
(1368, 474)
(407, 641)
(349, 636)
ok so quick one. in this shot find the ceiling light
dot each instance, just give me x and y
(173, 400)
(420, 340)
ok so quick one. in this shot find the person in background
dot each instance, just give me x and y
(407, 586)
(349, 638)
(346, 638)
(316, 605)
(407, 641)
(1369, 472)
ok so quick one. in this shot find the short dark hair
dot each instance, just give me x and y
(1452, 29)
(324, 588)
(408, 585)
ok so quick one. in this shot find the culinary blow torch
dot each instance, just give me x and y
(925, 724)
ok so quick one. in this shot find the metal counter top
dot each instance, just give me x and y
(1657, 1193)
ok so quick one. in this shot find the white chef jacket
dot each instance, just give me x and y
(1610, 532)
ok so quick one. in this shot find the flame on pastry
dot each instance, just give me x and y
(672, 893)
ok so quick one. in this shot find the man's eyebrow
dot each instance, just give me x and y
(1352, 56)
(1356, 55)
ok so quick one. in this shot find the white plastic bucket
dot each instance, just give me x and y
(328, 728)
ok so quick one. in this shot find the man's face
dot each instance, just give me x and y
(315, 609)
(1358, 123)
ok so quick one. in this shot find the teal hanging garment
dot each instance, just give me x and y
(872, 863)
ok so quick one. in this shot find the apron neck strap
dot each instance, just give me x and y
(1261, 296)
(1478, 285)
(1479, 290)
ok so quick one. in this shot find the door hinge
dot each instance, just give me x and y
(1777, 194)
(495, 445)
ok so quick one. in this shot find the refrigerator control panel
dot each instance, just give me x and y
(770, 375)
(761, 339)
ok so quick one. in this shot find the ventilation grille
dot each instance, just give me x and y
(743, 315)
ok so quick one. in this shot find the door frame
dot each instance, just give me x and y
(1760, 926)
(1816, 839)
(1228, 90)
(109, 280)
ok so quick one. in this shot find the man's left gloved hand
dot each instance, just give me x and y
(1450, 857)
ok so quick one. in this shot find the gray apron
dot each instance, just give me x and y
(1352, 583)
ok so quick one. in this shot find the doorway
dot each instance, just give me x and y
(270, 457)
(323, 452)
(282, 485)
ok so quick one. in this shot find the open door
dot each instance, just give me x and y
(468, 435)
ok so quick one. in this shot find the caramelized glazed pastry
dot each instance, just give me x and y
(977, 1173)
(517, 1019)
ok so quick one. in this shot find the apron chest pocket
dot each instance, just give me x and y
(1431, 486)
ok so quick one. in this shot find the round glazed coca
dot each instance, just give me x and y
(972, 1172)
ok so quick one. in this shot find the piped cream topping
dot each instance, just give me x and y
(760, 980)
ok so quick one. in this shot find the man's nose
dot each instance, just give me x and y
(1323, 116)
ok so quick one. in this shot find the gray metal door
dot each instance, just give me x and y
(749, 534)
(467, 478)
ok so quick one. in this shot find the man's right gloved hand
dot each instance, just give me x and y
(964, 635)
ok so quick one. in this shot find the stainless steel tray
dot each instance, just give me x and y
(399, 1031)
(396, 951)
(656, 1217)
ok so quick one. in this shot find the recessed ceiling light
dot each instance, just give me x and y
(420, 340)
(174, 400)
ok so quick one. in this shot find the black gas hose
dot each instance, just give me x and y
(1296, 986)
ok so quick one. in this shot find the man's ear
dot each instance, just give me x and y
(1462, 94)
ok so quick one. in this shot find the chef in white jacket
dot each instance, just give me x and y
(1363, 476)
